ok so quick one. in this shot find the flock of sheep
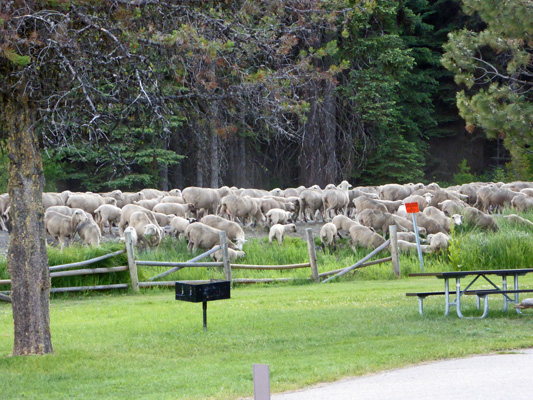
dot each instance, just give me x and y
(199, 214)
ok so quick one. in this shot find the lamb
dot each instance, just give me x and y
(327, 235)
(63, 227)
(439, 242)
(133, 234)
(126, 212)
(178, 225)
(478, 218)
(107, 213)
(233, 231)
(203, 236)
(89, 202)
(179, 210)
(279, 231)
(519, 221)
(364, 237)
(89, 232)
(233, 255)
(148, 234)
(277, 216)
(522, 202)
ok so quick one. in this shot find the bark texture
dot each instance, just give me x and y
(27, 258)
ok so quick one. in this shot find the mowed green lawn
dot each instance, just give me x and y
(150, 346)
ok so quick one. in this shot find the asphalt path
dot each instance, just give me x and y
(496, 376)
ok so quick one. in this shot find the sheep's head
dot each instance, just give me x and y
(457, 219)
(428, 197)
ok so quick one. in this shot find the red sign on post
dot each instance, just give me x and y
(412, 208)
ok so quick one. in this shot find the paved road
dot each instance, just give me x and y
(497, 376)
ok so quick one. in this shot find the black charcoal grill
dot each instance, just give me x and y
(203, 292)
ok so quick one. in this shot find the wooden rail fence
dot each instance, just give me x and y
(73, 269)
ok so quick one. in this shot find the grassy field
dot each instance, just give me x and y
(121, 346)
(150, 346)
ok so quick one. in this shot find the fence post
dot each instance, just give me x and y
(225, 255)
(393, 230)
(131, 261)
(312, 254)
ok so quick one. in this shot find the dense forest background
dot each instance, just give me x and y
(286, 93)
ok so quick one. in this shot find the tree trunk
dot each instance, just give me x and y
(27, 259)
(318, 160)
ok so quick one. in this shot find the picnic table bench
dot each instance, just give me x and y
(480, 293)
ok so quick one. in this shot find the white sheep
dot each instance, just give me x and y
(277, 216)
(327, 235)
(107, 213)
(233, 255)
(63, 227)
(279, 231)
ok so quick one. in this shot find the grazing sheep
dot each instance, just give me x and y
(364, 237)
(277, 216)
(362, 203)
(178, 225)
(89, 232)
(148, 234)
(107, 213)
(431, 225)
(278, 232)
(441, 218)
(491, 199)
(163, 219)
(233, 230)
(527, 191)
(327, 235)
(393, 191)
(519, 221)
(450, 207)
(407, 223)
(129, 198)
(204, 199)
(478, 218)
(343, 223)
(150, 194)
(522, 202)
(233, 255)
(422, 201)
(126, 212)
(409, 237)
(377, 220)
(63, 227)
(408, 247)
(392, 206)
(439, 242)
(246, 208)
(55, 199)
(203, 236)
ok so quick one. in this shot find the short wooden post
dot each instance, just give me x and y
(261, 374)
(393, 230)
(132, 266)
(312, 254)
(225, 255)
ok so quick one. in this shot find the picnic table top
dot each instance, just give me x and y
(458, 274)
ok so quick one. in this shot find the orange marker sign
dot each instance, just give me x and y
(412, 208)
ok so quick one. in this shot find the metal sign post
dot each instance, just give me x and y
(412, 208)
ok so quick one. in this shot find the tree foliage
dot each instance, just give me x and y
(495, 66)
